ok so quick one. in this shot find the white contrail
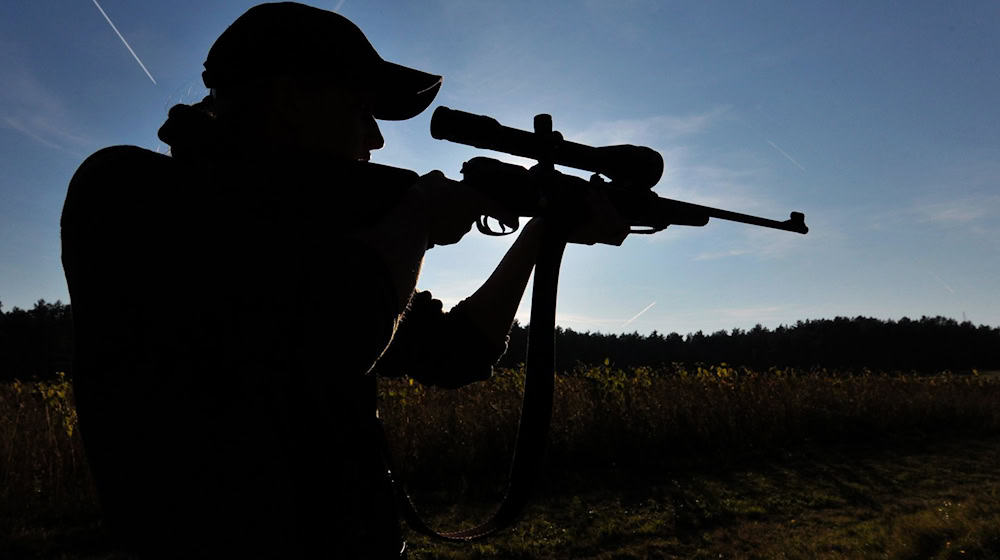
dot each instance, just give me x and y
(143, 66)
(784, 153)
(943, 283)
(636, 316)
(339, 5)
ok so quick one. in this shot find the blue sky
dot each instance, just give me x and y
(877, 119)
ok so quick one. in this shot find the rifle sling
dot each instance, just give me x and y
(536, 409)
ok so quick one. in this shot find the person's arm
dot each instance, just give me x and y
(460, 347)
(435, 211)
(400, 239)
(492, 307)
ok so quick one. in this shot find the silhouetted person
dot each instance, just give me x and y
(230, 300)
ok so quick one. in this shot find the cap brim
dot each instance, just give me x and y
(402, 93)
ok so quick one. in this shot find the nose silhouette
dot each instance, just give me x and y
(373, 136)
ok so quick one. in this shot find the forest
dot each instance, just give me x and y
(925, 345)
(37, 343)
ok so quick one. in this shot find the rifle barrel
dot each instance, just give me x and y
(796, 221)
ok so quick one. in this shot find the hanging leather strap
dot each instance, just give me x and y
(536, 408)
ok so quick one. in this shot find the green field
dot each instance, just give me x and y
(699, 462)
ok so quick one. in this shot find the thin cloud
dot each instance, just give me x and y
(770, 244)
(766, 244)
(960, 211)
(970, 214)
(719, 186)
(15, 124)
(38, 130)
(784, 153)
(733, 187)
(650, 131)
(753, 313)
(963, 197)
(34, 111)
(722, 254)
(141, 65)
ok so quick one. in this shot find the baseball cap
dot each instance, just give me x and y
(292, 39)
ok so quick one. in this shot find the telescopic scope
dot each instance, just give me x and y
(635, 166)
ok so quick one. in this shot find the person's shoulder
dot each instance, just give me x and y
(117, 179)
(122, 173)
(123, 161)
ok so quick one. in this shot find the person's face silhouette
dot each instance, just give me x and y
(334, 120)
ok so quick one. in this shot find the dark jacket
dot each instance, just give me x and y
(226, 322)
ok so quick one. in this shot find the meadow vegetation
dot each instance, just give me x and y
(684, 416)
(680, 461)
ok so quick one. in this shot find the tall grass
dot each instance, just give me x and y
(603, 416)
(42, 464)
(681, 415)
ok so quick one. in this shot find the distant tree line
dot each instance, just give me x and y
(927, 345)
(38, 342)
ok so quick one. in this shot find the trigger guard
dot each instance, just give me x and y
(483, 226)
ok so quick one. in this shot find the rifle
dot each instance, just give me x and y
(632, 170)
(541, 190)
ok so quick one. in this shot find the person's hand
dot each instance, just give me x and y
(451, 207)
(600, 223)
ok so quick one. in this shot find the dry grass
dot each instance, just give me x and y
(454, 446)
(43, 465)
(683, 416)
